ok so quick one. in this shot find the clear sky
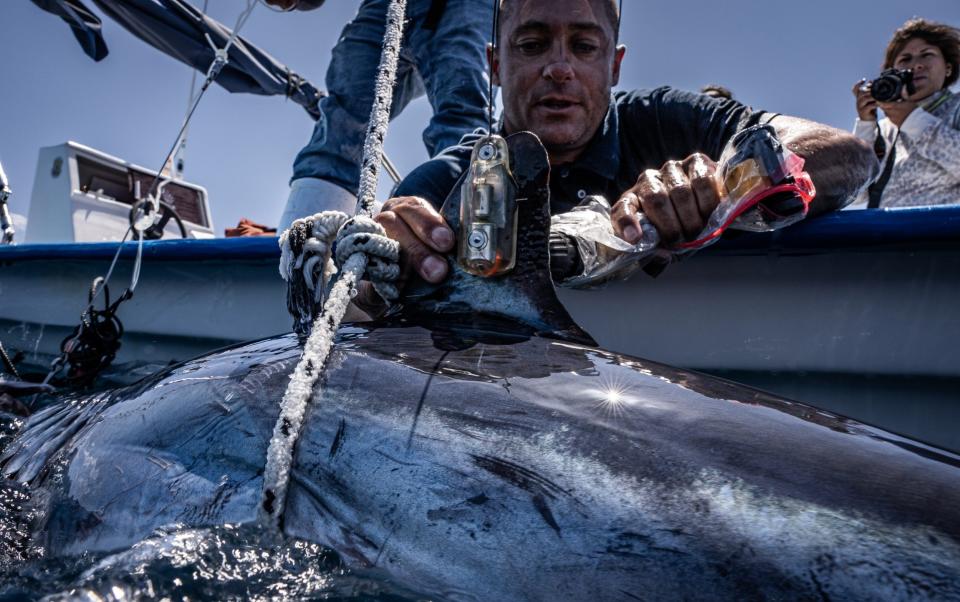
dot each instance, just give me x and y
(799, 58)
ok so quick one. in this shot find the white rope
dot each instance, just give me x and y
(313, 261)
(362, 248)
(380, 113)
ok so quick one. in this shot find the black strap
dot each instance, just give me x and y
(433, 15)
(876, 189)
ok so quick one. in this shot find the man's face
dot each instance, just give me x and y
(556, 63)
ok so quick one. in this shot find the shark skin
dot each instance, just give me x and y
(534, 470)
(480, 455)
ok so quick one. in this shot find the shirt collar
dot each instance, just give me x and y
(936, 100)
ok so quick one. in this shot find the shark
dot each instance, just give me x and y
(476, 444)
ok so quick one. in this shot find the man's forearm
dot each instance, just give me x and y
(839, 163)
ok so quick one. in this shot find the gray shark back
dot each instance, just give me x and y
(531, 470)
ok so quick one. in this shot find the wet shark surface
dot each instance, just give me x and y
(474, 445)
(563, 470)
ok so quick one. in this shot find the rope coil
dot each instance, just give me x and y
(312, 250)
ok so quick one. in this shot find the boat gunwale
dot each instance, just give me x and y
(898, 229)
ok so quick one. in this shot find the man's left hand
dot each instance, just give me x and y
(677, 199)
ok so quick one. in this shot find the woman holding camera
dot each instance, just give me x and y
(918, 141)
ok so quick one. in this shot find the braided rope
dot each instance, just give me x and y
(363, 235)
(305, 247)
(362, 247)
(380, 113)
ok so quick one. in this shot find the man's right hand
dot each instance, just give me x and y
(866, 103)
(677, 199)
(423, 236)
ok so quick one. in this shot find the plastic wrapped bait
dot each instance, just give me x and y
(764, 189)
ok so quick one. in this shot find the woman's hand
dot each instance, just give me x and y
(866, 103)
(897, 112)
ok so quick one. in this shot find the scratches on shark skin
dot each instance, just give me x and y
(359, 546)
(468, 515)
(392, 459)
(631, 596)
(423, 397)
(465, 433)
(480, 422)
(515, 474)
(383, 547)
(540, 488)
(354, 378)
(478, 500)
(338, 439)
(544, 509)
(159, 462)
(207, 510)
(638, 545)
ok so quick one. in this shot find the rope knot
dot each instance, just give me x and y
(305, 250)
(361, 234)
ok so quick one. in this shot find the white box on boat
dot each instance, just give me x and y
(83, 195)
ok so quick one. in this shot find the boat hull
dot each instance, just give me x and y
(862, 303)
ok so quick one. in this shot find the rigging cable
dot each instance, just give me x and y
(177, 162)
(8, 363)
(140, 220)
(221, 56)
(493, 41)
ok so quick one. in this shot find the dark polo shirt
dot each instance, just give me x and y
(643, 129)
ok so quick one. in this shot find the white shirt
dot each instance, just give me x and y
(926, 169)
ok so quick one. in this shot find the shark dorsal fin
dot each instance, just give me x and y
(526, 294)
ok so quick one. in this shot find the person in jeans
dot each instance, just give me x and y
(918, 140)
(442, 56)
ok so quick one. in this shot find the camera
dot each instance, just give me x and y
(889, 86)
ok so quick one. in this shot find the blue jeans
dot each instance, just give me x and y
(448, 64)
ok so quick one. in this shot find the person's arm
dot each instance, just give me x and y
(839, 163)
(689, 132)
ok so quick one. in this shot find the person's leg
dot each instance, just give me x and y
(326, 172)
(452, 61)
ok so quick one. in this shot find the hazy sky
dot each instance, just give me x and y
(800, 60)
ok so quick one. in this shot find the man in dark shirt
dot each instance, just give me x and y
(640, 129)
(651, 151)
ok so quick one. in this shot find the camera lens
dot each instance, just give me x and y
(885, 89)
(889, 86)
